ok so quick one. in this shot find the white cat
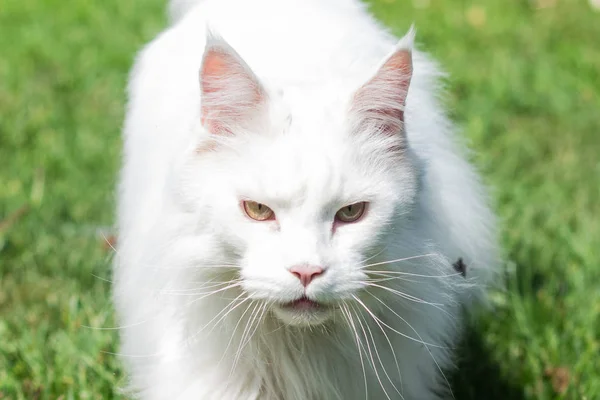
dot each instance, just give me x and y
(292, 202)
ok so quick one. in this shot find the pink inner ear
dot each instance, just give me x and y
(380, 102)
(215, 66)
(230, 91)
(400, 63)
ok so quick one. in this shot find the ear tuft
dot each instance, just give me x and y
(231, 93)
(408, 40)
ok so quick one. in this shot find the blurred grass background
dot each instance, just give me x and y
(524, 86)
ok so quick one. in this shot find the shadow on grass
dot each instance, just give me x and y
(478, 376)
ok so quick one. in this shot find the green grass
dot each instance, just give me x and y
(525, 86)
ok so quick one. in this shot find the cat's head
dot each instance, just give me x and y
(302, 186)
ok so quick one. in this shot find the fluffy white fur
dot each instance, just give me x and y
(292, 123)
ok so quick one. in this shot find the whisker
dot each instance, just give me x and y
(158, 353)
(358, 319)
(346, 313)
(101, 278)
(387, 279)
(225, 311)
(242, 339)
(373, 256)
(407, 296)
(116, 328)
(403, 320)
(109, 243)
(437, 306)
(194, 291)
(130, 355)
(262, 312)
(376, 319)
(113, 328)
(235, 330)
(379, 357)
(426, 344)
(398, 260)
(230, 311)
(213, 292)
(411, 274)
(257, 318)
(196, 266)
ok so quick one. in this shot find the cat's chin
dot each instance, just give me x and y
(302, 312)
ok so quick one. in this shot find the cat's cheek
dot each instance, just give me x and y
(341, 285)
(355, 239)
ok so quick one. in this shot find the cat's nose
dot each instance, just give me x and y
(306, 273)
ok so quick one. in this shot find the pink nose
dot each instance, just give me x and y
(306, 273)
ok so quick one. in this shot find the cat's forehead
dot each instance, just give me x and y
(308, 152)
(314, 101)
(313, 168)
(290, 161)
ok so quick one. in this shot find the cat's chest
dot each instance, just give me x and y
(301, 372)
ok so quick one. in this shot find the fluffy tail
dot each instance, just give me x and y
(178, 8)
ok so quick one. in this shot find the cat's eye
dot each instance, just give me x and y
(258, 211)
(351, 213)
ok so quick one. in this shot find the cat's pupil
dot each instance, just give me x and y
(259, 207)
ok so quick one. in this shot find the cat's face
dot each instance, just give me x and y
(303, 216)
(302, 195)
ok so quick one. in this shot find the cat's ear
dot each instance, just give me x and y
(379, 104)
(232, 95)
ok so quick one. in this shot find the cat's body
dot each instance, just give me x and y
(201, 289)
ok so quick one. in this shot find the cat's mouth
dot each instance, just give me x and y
(303, 312)
(303, 304)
